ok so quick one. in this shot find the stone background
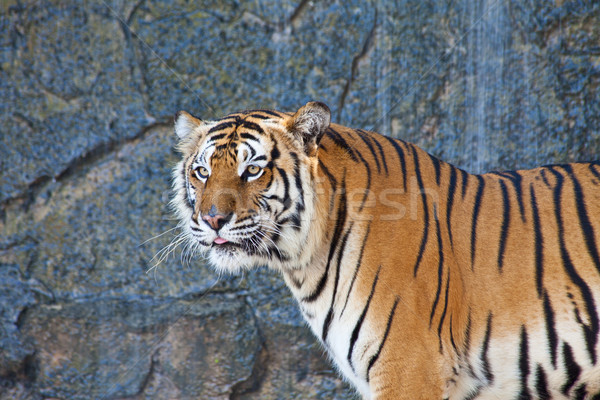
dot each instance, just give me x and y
(87, 94)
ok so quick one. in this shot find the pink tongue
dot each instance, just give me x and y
(220, 240)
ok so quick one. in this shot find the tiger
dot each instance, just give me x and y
(421, 280)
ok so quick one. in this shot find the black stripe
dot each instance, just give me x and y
(541, 384)
(538, 243)
(382, 154)
(450, 203)
(332, 182)
(268, 112)
(298, 180)
(264, 204)
(293, 218)
(590, 332)
(366, 190)
(221, 126)
(233, 116)
(219, 149)
(437, 167)
(584, 219)
(484, 351)
(573, 369)
(273, 197)
(341, 143)
(191, 201)
(375, 356)
(366, 140)
(242, 227)
(216, 137)
(524, 365)
(545, 178)
(330, 177)
(339, 226)
(594, 171)
(476, 209)
(253, 152)
(203, 243)
(357, 267)
(580, 393)
(464, 178)
(249, 136)
(468, 333)
(440, 272)
(425, 214)
(550, 328)
(505, 224)
(358, 326)
(467, 346)
(474, 393)
(252, 126)
(329, 316)
(275, 154)
(287, 200)
(297, 283)
(401, 157)
(255, 113)
(444, 311)
(516, 179)
(452, 342)
(258, 116)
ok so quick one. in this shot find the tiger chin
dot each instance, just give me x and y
(421, 280)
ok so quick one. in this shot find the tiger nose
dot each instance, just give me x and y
(216, 221)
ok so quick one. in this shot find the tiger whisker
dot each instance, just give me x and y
(262, 219)
(264, 235)
(157, 236)
(174, 242)
(256, 242)
(272, 229)
(264, 245)
(163, 253)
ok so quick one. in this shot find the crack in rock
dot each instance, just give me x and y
(367, 46)
(88, 159)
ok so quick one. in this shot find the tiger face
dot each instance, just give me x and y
(244, 192)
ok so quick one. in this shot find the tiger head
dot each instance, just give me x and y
(244, 190)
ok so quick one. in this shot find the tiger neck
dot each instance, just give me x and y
(336, 232)
(329, 226)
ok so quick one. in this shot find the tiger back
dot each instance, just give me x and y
(421, 280)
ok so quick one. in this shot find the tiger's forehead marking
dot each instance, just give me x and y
(226, 136)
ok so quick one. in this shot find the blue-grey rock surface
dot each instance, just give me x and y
(87, 94)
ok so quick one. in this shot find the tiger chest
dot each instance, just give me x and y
(349, 339)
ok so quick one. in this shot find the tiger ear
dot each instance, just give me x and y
(309, 124)
(185, 123)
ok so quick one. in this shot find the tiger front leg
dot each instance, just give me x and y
(407, 380)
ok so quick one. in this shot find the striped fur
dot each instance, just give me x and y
(422, 281)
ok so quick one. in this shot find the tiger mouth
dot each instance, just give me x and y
(246, 245)
(225, 245)
(231, 246)
(226, 249)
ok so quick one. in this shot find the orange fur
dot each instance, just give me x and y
(422, 281)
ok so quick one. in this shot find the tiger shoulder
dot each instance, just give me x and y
(421, 281)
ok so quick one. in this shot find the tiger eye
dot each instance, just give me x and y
(253, 169)
(201, 173)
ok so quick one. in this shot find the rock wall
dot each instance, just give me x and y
(87, 92)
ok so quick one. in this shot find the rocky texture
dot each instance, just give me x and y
(143, 348)
(86, 147)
